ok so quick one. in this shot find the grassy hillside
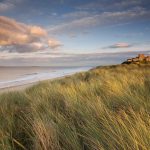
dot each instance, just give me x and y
(107, 108)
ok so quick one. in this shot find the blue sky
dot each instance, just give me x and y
(46, 29)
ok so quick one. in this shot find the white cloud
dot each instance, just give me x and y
(77, 15)
(6, 5)
(111, 5)
(37, 31)
(120, 45)
(16, 36)
(53, 43)
(99, 20)
(91, 59)
(13, 32)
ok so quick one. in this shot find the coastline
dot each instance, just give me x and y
(105, 97)
(22, 86)
(27, 85)
(17, 87)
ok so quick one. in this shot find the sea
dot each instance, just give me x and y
(18, 76)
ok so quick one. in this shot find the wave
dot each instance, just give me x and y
(36, 77)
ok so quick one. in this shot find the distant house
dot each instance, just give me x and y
(141, 58)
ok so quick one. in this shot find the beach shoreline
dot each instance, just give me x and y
(27, 85)
(17, 88)
(22, 86)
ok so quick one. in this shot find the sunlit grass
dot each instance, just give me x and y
(107, 108)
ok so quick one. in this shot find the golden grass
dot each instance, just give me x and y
(106, 108)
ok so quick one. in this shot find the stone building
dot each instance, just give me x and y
(147, 58)
(129, 60)
(141, 58)
(135, 59)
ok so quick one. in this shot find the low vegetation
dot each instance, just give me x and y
(106, 108)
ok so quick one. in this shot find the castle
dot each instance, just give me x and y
(141, 58)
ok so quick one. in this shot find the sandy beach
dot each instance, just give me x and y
(20, 78)
(17, 88)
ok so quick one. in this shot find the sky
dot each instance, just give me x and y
(72, 32)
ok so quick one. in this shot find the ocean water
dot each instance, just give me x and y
(17, 76)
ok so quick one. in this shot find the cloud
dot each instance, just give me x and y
(77, 15)
(13, 33)
(112, 5)
(120, 45)
(8, 4)
(91, 59)
(99, 20)
(16, 36)
(24, 48)
(37, 31)
(54, 43)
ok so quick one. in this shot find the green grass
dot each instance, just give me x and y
(107, 108)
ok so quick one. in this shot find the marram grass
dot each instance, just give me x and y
(107, 108)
